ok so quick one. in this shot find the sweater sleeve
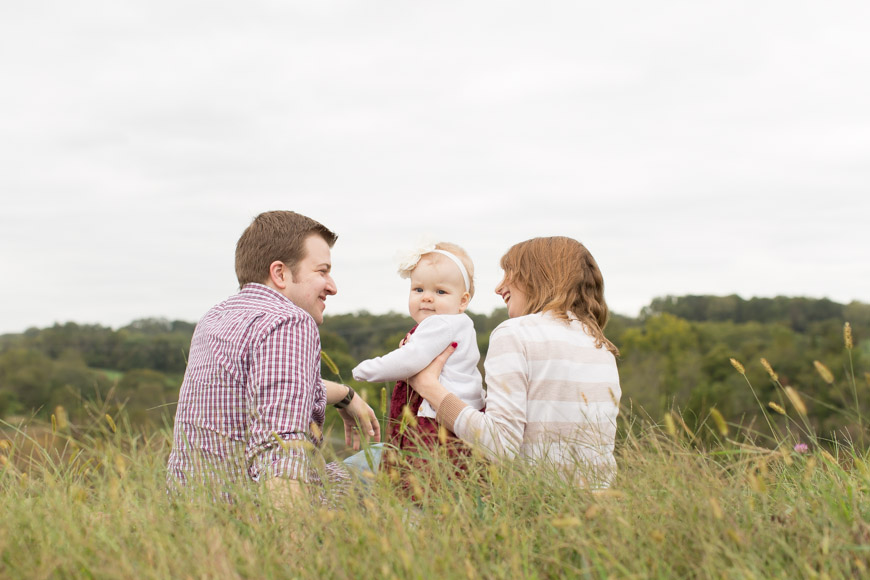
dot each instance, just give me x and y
(498, 431)
(432, 336)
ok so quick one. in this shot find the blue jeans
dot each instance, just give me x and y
(366, 462)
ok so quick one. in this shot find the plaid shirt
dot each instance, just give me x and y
(253, 376)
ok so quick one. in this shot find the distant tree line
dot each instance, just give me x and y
(797, 313)
(674, 355)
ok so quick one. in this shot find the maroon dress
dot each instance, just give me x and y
(413, 441)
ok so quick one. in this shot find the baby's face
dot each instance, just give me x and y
(437, 287)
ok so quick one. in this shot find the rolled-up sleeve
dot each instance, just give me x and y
(283, 391)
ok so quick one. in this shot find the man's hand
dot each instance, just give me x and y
(359, 419)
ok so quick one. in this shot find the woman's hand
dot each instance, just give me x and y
(426, 382)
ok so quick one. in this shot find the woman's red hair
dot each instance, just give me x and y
(559, 275)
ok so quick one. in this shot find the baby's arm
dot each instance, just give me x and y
(432, 336)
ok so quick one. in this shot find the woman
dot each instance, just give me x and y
(552, 383)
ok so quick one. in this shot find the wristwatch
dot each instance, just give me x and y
(346, 400)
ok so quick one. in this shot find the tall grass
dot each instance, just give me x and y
(92, 503)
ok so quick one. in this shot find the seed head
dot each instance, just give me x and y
(408, 417)
(716, 508)
(756, 483)
(796, 401)
(735, 537)
(120, 465)
(415, 486)
(111, 423)
(721, 425)
(281, 442)
(769, 369)
(736, 364)
(62, 418)
(333, 368)
(776, 408)
(824, 372)
(613, 397)
(829, 457)
(847, 335)
(383, 401)
(809, 469)
(670, 427)
(786, 457)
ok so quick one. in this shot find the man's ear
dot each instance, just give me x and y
(463, 302)
(279, 275)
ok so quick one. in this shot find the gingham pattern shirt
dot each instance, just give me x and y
(253, 377)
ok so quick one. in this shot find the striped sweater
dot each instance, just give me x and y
(552, 397)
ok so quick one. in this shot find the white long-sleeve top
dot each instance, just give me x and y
(460, 375)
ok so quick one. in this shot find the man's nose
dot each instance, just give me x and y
(331, 288)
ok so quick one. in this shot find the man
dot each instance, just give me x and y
(252, 403)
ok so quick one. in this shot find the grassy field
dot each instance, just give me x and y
(90, 502)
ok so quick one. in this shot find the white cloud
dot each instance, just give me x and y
(694, 148)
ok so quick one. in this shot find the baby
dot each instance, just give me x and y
(441, 288)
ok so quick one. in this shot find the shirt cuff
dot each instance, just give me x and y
(449, 410)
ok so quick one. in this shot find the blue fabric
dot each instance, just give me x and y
(366, 461)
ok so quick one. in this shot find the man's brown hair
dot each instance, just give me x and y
(559, 275)
(275, 236)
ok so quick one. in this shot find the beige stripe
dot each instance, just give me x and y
(545, 390)
(505, 380)
(553, 350)
(569, 432)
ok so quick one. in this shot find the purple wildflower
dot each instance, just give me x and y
(801, 448)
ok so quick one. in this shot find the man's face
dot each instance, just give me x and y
(312, 283)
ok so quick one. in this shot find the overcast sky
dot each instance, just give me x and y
(694, 147)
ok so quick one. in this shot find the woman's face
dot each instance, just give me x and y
(514, 298)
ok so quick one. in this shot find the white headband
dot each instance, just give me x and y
(408, 262)
(459, 263)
